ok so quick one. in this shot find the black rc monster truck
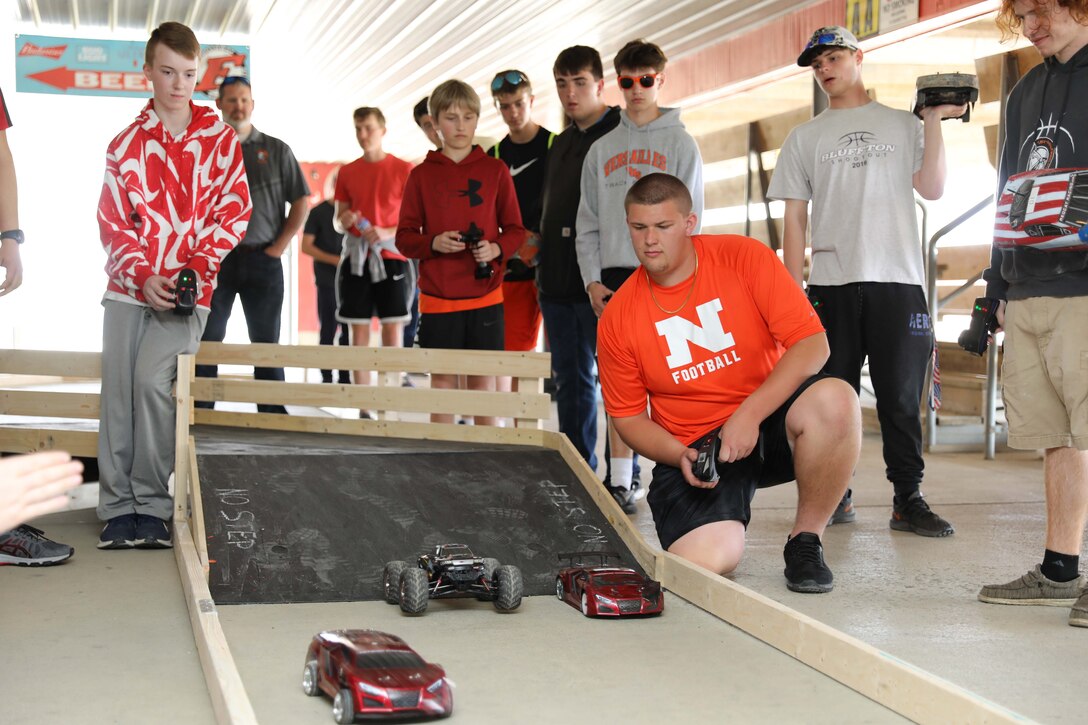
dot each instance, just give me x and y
(451, 570)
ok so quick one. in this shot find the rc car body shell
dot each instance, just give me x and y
(608, 591)
(1043, 210)
(370, 673)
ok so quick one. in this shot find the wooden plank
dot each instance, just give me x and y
(723, 144)
(182, 411)
(533, 386)
(416, 360)
(407, 400)
(225, 688)
(199, 536)
(41, 403)
(774, 129)
(993, 142)
(904, 688)
(52, 363)
(83, 443)
(962, 262)
(385, 428)
(954, 359)
(988, 70)
(724, 193)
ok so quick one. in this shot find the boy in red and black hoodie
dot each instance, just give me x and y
(175, 196)
(453, 189)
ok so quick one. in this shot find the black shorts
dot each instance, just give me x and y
(358, 299)
(479, 329)
(679, 508)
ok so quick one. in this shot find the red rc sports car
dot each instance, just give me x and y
(606, 591)
(373, 673)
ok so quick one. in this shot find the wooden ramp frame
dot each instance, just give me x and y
(899, 686)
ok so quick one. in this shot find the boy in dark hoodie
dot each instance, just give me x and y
(648, 139)
(175, 196)
(453, 190)
(1044, 293)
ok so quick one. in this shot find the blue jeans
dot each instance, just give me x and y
(326, 314)
(258, 279)
(572, 337)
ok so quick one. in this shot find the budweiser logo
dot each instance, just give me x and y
(54, 52)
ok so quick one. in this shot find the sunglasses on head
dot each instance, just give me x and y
(822, 39)
(231, 80)
(646, 81)
(508, 78)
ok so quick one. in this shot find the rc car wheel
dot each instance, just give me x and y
(490, 565)
(509, 588)
(559, 591)
(413, 591)
(585, 604)
(309, 679)
(343, 707)
(391, 580)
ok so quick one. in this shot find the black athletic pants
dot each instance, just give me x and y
(888, 323)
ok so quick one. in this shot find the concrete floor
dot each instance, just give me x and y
(105, 638)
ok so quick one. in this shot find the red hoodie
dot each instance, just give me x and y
(168, 203)
(441, 196)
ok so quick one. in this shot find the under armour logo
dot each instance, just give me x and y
(474, 199)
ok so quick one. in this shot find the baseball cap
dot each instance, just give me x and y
(832, 36)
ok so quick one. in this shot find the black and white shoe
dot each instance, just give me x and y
(118, 533)
(624, 497)
(152, 533)
(806, 570)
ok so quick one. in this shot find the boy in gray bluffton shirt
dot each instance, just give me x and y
(859, 164)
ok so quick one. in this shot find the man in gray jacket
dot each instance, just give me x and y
(648, 139)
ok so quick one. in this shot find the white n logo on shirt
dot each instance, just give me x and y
(708, 334)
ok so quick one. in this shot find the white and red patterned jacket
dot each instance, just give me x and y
(171, 202)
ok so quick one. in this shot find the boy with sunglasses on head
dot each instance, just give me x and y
(524, 151)
(460, 218)
(860, 162)
(649, 139)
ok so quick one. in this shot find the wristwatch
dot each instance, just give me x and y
(16, 234)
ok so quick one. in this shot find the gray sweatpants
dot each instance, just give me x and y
(140, 349)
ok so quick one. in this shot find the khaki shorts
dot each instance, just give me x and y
(1045, 372)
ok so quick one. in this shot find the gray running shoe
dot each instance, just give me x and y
(1078, 616)
(1035, 588)
(27, 546)
(844, 512)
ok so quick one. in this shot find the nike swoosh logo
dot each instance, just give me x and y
(398, 276)
(515, 170)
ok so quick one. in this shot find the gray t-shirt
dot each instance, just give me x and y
(857, 165)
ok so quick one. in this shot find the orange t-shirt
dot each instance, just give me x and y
(698, 365)
(375, 190)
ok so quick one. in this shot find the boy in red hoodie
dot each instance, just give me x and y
(455, 190)
(175, 196)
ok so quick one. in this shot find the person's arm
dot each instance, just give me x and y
(118, 226)
(794, 238)
(929, 179)
(587, 242)
(651, 441)
(230, 212)
(34, 485)
(309, 247)
(802, 360)
(690, 171)
(10, 259)
(296, 217)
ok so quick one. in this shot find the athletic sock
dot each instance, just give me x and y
(1060, 567)
(621, 472)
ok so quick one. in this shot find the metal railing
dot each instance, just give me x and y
(935, 304)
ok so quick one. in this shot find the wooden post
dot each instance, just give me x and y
(183, 415)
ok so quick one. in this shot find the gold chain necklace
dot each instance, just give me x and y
(650, 283)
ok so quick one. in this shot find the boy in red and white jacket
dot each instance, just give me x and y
(175, 196)
(452, 189)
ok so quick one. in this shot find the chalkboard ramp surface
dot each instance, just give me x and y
(294, 517)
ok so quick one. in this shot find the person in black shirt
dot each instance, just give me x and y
(322, 242)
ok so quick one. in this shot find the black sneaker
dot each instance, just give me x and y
(118, 533)
(805, 568)
(152, 533)
(915, 515)
(624, 497)
(844, 512)
(637, 490)
(27, 546)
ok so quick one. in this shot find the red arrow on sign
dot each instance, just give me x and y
(65, 79)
